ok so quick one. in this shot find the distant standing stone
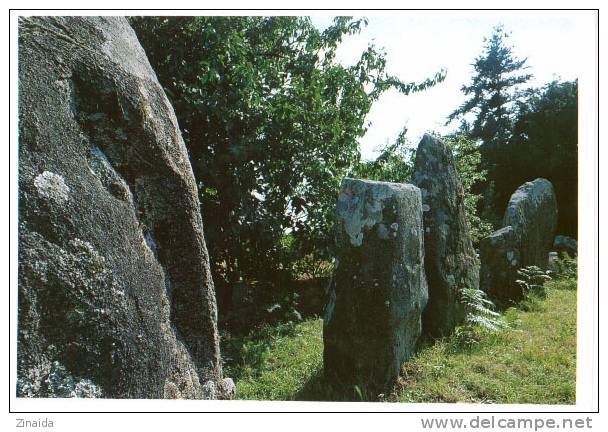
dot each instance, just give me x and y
(566, 244)
(532, 216)
(378, 289)
(553, 261)
(500, 260)
(532, 212)
(450, 260)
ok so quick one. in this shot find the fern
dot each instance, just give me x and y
(533, 280)
(479, 315)
(566, 267)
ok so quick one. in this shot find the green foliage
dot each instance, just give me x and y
(491, 92)
(491, 103)
(305, 267)
(275, 362)
(545, 144)
(479, 317)
(394, 164)
(563, 284)
(533, 280)
(308, 267)
(533, 360)
(468, 165)
(271, 123)
(566, 267)
(524, 134)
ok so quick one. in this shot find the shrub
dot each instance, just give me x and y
(566, 267)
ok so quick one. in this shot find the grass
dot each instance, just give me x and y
(532, 361)
(276, 362)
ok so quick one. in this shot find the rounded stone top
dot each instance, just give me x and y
(524, 202)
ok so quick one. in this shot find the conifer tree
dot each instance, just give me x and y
(492, 95)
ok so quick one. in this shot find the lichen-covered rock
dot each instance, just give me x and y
(531, 216)
(562, 243)
(115, 295)
(553, 263)
(500, 260)
(532, 212)
(378, 290)
(450, 261)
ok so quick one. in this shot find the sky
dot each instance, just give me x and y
(420, 43)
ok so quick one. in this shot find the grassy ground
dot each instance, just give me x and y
(532, 361)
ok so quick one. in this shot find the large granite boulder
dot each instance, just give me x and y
(378, 290)
(115, 295)
(449, 257)
(526, 239)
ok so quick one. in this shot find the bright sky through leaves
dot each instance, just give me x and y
(420, 43)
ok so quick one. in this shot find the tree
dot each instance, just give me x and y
(468, 165)
(545, 144)
(492, 91)
(394, 164)
(492, 98)
(271, 122)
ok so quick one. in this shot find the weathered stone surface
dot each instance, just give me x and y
(500, 260)
(115, 295)
(378, 290)
(449, 258)
(553, 261)
(532, 212)
(566, 244)
(532, 217)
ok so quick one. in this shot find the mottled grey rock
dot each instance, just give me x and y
(115, 295)
(378, 290)
(566, 244)
(532, 212)
(553, 261)
(531, 216)
(450, 260)
(228, 388)
(500, 260)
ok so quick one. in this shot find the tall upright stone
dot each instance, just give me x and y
(526, 238)
(115, 293)
(378, 289)
(450, 260)
(500, 260)
(532, 212)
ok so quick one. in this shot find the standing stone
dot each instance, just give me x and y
(532, 212)
(115, 295)
(378, 290)
(531, 216)
(563, 243)
(553, 261)
(449, 259)
(500, 260)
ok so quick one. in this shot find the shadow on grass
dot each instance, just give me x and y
(320, 389)
(453, 345)
(242, 354)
